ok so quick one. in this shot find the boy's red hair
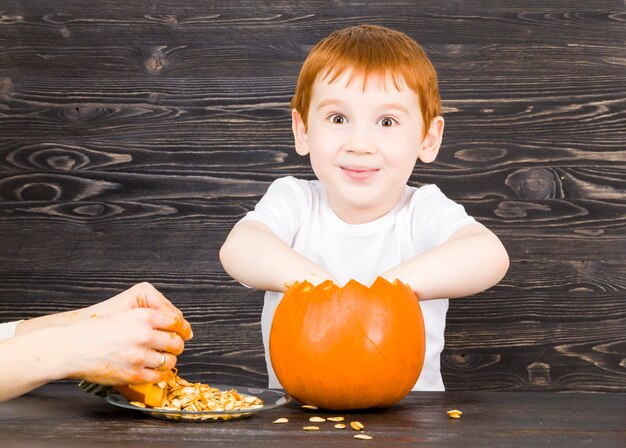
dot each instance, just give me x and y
(368, 50)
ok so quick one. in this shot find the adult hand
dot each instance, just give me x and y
(124, 347)
(133, 337)
(141, 295)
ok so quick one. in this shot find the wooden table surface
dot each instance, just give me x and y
(63, 415)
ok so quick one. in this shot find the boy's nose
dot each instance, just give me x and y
(360, 141)
(361, 147)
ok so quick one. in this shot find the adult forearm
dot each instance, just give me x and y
(31, 360)
(51, 320)
(257, 258)
(457, 268)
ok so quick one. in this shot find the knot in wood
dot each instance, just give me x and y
(92, 210)
(539, 375)
(535, 183)
(61, 162)
(39, 191)
(155, 61)
(78, 113)
(5, 87)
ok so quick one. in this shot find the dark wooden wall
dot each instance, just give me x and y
(134, 134)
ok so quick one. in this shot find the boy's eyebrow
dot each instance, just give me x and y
(388, 106)
(330, 102)
(397, 107)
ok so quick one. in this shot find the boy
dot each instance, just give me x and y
(366, 108)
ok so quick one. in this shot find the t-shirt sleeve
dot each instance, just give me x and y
(280, 208)
(434, 217)
(7, 330)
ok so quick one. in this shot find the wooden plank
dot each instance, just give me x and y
(512, 337)
(267, 120)
(258, 58)
(571, 420)
(200, 238)
(564, 292)
(288, 20)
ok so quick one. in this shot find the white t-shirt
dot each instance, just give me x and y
(297, 211)
(7, 330)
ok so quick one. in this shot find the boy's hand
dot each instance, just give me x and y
(254, 256)
(315, 279)
(472, 260)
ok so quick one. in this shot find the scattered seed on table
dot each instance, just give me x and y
(357, 426)
(362, 437)
(335, 419)
(317, 419)
(281, 420)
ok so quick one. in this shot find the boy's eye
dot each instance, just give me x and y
(386, 122)
(337, 119)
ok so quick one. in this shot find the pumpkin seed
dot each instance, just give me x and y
(309, 406)
(181, 395)
(340, 426)
(335, 419)
(363, 437)
(311, 428)
(357, 426)
(317, 419)
(281, 420)
(454, 413)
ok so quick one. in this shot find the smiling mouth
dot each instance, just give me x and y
(359, 173)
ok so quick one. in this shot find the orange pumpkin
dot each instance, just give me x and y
(348, 348)
(148, 393)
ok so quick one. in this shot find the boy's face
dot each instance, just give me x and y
(364, 143)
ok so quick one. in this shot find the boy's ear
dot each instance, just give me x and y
(429, 147)
(299, 133)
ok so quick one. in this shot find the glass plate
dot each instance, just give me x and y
(271, 399)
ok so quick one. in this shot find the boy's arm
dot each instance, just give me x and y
(254, 256)
(472, 260)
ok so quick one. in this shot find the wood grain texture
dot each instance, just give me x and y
(490, 419)
(62, 415)
(133, 135)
